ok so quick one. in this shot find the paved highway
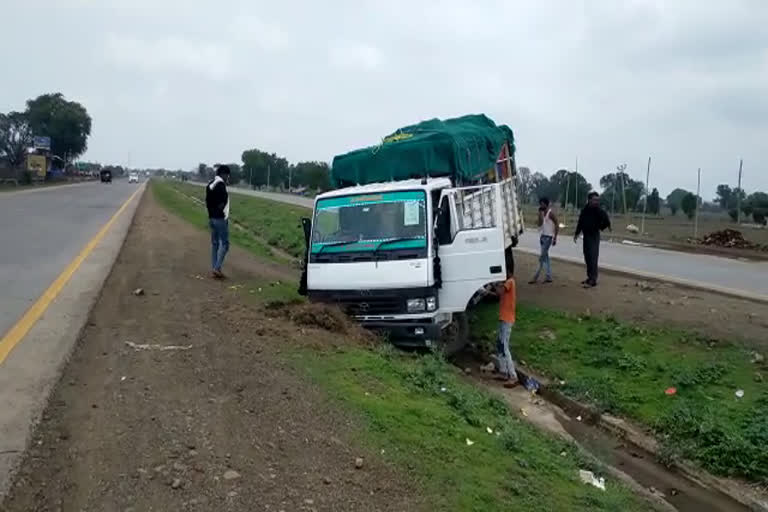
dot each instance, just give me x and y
(42, 231)
(737, 277)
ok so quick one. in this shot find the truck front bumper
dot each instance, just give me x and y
(406, 333)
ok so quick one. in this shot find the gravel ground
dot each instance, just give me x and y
(218, 424)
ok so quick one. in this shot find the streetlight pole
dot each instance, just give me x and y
(645, 205)
(576, 187)
(738, 195)
(620, 176)
(696, 218)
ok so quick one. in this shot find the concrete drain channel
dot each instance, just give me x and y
(665, 488)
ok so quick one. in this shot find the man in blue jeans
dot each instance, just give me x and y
(549, 227)
(217, 203)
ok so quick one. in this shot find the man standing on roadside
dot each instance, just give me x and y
(217, 202)
(592, 221)
(549, 228)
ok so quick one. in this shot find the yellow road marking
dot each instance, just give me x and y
(33, 314)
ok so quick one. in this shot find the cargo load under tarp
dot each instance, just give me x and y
(463, 148)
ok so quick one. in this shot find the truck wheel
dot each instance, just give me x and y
(456, 335)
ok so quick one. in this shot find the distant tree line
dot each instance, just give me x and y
(260, 169)
(754, 204)
(621, 193)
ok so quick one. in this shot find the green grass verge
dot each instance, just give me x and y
(419, 413)
(167, 195)
(423, 430)
(625, 369)
(620, 368)
(277, 223)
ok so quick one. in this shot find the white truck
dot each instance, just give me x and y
(408, 254)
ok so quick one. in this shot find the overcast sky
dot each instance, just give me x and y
(171, 83)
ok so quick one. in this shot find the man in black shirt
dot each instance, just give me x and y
(592, 221)
(217, 203)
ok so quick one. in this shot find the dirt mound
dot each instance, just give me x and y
(730, 238)
(339, 326)
(319, 315)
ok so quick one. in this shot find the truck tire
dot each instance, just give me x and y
(455, 336)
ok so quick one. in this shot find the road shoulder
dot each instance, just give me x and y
(29, 373)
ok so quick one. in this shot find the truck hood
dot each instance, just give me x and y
(368, 275)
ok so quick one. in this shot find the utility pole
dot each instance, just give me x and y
(738, 195)
(696, 218)
(269, 171)
(620, 175)
(576, 187)
(289, 177)
(645, 205)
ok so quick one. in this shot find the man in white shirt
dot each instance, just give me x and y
(549, 227)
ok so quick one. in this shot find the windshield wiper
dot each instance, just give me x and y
(336, 244)
(393, 240)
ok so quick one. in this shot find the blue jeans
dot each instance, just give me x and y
(544, 263)
(504, 362)
(219, 241)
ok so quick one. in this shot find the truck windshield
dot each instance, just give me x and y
(362, 222)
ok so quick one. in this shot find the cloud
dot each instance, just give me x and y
(355, 56)
(606, 81)
(168, 55)
(264, 35)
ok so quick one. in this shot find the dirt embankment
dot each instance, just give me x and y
(216, 421)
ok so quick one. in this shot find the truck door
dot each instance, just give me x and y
(470, 235)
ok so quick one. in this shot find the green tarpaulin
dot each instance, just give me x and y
(462, 148)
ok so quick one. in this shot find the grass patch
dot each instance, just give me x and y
(168, 196)
(419, 413)
(620, 368)
(625, 369)
(421, 428)
(277, 223)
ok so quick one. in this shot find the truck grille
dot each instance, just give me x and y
(359, 306)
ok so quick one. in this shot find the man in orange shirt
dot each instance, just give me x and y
(507, 303)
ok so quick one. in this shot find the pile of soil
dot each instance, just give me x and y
(731, 238)
(333, 321)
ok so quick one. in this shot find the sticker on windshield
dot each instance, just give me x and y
(411, 213)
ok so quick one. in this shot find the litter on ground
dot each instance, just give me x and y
(589, 478)
(147, 346)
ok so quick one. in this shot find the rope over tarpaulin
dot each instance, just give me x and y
(463, 148)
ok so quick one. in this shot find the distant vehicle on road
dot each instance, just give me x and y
(133, 178)
(106, 176)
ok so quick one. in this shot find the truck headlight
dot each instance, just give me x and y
(431, 303)
(415, 305)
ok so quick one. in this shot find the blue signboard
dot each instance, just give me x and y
(42, 142)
